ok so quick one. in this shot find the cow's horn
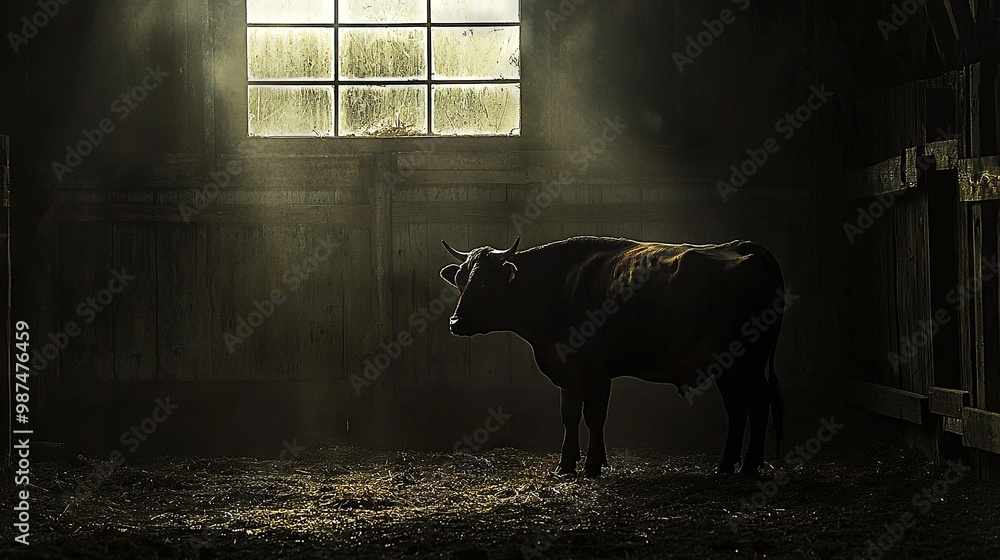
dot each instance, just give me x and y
(504, 255)
(454, 252)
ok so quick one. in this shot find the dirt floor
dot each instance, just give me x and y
(340, 502)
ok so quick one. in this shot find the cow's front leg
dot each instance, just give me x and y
(595, 412)
(571, 407)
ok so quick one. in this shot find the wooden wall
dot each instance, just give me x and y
(195, 279)
(924, 155)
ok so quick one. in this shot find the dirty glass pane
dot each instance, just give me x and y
(469, 110)
(290, 11)
(289, 53)
(476, 52)
(458, 11)
(397, 53)
(383, 110)
(383, 11)
(291, 110)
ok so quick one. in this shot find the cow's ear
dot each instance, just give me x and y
(512, 269)
(449, 272)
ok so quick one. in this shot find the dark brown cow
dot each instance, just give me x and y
(596, 308)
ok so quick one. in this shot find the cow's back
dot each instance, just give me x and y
(675, 304)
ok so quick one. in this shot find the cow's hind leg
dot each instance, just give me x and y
(571, 407)
(595, 412)
(737, 425)
(757, 403)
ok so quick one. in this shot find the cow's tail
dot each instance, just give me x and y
(774, 386)
(777, 401)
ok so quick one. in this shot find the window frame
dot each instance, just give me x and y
(428, 81)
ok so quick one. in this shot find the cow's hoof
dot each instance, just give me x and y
(565, 470)
(726, 468)
(752, 473)
(592, 471)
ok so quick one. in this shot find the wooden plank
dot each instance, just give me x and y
(282, 352)
(981, 429)
(353, 215)
(248, 286)
(452, 160)
(463, 176)
(135, 346)
(953, 425)
(948, 402)
(404, 369)
(979, 179)
(885, 277)
(889, 401)
(86, 262)
(944, 154)
(975, 303)
(263, 166)
(359, 338)
(965, 312)
(989, 301)
(319, 301)
(881, 178)
(221, 305)
(381, 251)
(444, 212)
(179, 343)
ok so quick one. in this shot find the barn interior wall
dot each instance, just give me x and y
(923, 149)
(384, 204)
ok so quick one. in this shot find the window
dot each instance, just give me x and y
(383, 68)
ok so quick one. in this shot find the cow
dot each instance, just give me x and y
(597, 308)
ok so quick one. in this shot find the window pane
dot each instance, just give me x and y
(383, 53)
(458, 11)
(383, 11)
(290, 11)
(470, 110)
(289, 53)
(477, 52)
(291, 110)
(383, 110)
